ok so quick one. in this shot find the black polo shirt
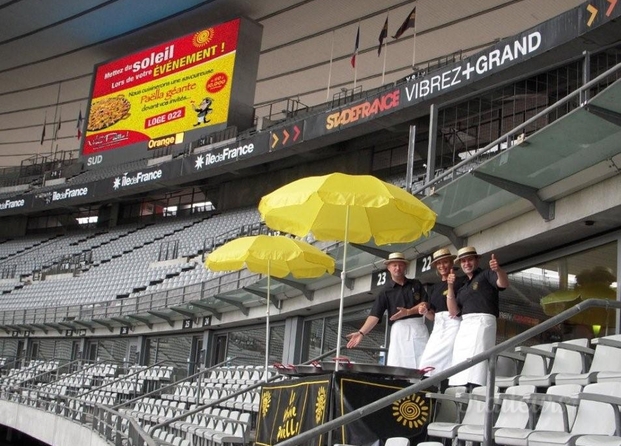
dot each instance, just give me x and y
(479, 294)
(438, 291)
(394, 295)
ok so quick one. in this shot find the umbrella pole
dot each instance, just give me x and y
(267, 325)
(339, 332)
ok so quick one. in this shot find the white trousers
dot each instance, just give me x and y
(408, 338)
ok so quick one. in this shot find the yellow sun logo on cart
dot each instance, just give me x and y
(266, 400)
(320, 405)
(203, 37)
(411, 412)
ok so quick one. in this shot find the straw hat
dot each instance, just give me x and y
(468, 251)
(442, 254)
(396, 257)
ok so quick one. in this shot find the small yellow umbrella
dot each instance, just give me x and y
(347, 208)
(276, 256)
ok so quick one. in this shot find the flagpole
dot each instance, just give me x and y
(55, 123)
(79, 125)
(414, 49)
(384, 43)
(43, 130)
(384, 63)
(356, 51)
(330, 70)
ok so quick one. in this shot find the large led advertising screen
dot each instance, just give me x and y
(172, 94)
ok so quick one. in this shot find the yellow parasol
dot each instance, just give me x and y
(347, 208)
(595, 283)
(274, 256)
(558, 301)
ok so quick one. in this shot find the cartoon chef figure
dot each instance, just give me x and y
(203, 109)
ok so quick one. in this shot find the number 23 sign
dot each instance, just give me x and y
(379, 278)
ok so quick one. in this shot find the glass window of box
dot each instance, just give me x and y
(320, 337)
(546, 289)
(248, 345)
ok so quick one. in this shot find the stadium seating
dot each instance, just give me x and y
(513, 413)
(536, 362)
(474, 414)
(124, 260)
(596, 419)
(606, 364)
(569, 357)
(556, 411)
(78, 394)
(397, 441)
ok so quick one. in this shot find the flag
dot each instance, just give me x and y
(79, 125)
(382, 36)
(410, 22)
(43, 131)
(353, 56)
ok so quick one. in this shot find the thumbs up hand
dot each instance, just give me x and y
(493, 263)
(450, 279)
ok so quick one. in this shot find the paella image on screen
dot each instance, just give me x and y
(107, 112)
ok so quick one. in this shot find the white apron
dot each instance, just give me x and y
(408, 338)
(476, 334)
(439, 350)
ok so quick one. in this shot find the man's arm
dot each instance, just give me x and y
(356, 337)
(503, 279)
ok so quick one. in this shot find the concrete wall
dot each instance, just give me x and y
(13, 226)
(47, 427)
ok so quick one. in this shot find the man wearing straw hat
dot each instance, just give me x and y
(439, 350)
(478, 302)
(405, 300)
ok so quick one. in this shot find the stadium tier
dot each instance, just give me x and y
(449, 172)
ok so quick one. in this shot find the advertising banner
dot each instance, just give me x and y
(355, 113)
(288, 408)
(17, 205)
(223, 154)
(147, 177)
(69, 195)
(170, 94)
(407, 417)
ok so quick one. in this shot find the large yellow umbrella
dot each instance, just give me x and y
(356, 208)
(347, 208)
(276, 256)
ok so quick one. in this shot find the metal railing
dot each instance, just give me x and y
(174, 384)
(232, 395)
(508, 138)
(491, 355)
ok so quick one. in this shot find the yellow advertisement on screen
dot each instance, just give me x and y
(155, 96)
